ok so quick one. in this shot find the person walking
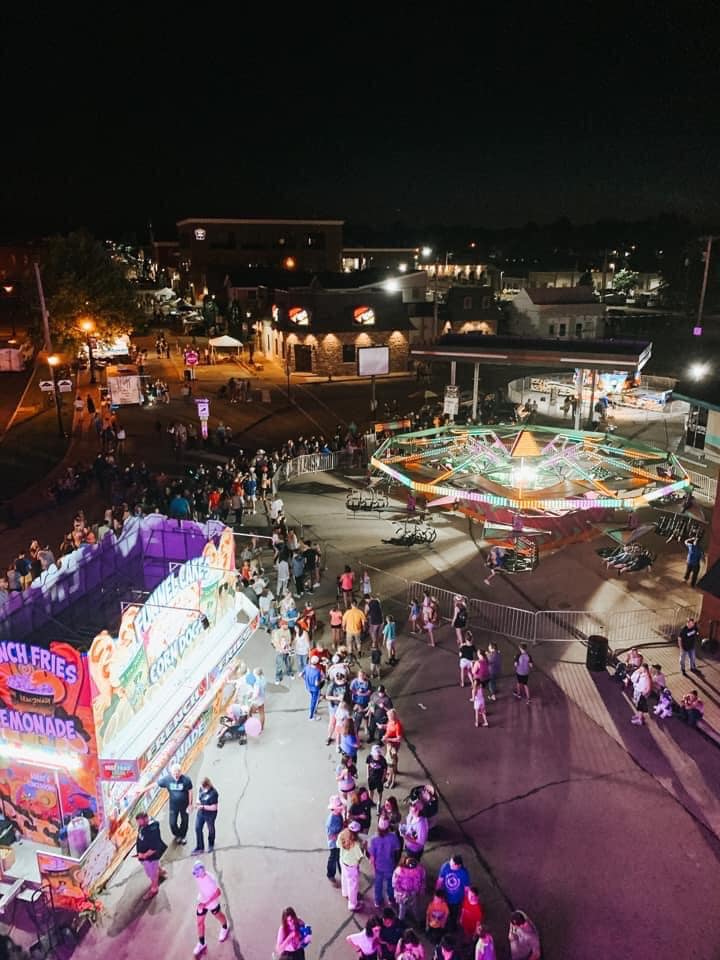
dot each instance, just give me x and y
(642, 688)
(377, 769)
(494, 661)
(687, 639)
(452, 880)
(389, 636)
(524, 937)
(392, 738)
(375, 621)
(351, 853)
(523, 666)
(298, 572)
(336, 625)
(312, 675)
(346, 583)
(282, 644)
(353, 622)
(292, 936)
(383, 851)
(302, 648)
(484, 945)
(431, 618)
(283, 577)
(408, 883)
(460, 619)
(467, 654)
(209, 896)
(695, 555)
(149, 848)
(179, 788)
(366, 943)
(333, 826)
(478, 702)
(207, 808)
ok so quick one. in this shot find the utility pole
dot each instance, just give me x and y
(703, 290)
(43, 309)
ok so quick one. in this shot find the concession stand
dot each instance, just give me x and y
(83, 734)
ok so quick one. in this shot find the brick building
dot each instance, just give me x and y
(313, 246)
(320, 331)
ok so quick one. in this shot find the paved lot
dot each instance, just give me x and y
(605, 833)
(602, 838)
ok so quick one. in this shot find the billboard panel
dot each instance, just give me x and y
(373, 361)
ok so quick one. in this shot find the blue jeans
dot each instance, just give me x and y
(282, 666)
(314, 697)
(301, 661)
(683, 655)
(383, 880)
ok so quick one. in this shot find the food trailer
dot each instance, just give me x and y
(83, 734)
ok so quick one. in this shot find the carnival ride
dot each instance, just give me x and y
(527, 484)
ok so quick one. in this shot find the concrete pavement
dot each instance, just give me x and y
(552, 812)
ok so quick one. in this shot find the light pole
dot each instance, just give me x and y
(9, 291)
(88, 327)
(53, 362)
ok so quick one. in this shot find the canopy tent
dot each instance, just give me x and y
(166, 293)
(225, 343)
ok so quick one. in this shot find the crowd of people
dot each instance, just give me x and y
(647, 687)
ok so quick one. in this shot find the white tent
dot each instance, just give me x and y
(225, 343)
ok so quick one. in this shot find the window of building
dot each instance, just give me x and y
(467, 303)
(562, 331)
(578, 330)
(315, 240)
(349, 353)
(551, 330)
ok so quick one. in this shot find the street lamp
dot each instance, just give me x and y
(89, 327)
(53, 362)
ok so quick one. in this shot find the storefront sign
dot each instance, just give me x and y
(364, 316)
(299, 316)
(192, 358)
(124, 771)
(200, 233)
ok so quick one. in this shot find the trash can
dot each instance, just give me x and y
(597, 653)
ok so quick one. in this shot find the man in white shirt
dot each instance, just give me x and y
(276, 508)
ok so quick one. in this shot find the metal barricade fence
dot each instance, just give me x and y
(390, 587)
(629, 627)
(567, 624)
(512, 622)
(445, 598)
(705, 487)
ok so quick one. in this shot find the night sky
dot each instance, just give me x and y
(376, 115)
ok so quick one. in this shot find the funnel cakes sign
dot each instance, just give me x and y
(155, 638)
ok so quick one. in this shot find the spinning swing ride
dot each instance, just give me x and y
(507, 474)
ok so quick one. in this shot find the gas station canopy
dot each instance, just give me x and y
(618, 355)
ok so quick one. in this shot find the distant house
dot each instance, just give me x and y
(566, 313)
(471, 309)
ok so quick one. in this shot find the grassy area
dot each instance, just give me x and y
(30, 450)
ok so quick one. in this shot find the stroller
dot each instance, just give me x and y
(232, 728)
